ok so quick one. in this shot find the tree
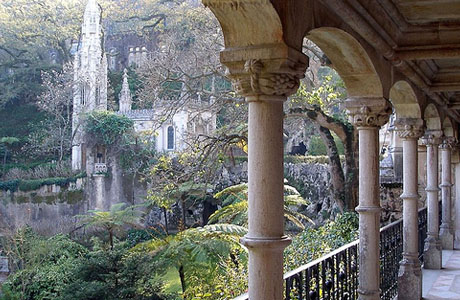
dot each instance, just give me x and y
(236, 209)
(7, 142)
(195, 252)
(318, 99)
(113, 220)
(56, 101)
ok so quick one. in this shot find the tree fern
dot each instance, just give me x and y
(237, 211)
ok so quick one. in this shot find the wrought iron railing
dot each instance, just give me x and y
(390, 255)
(335, 275)
(422, 228)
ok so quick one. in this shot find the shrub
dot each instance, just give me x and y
(34, 184)
(107, 127)
(313, 243)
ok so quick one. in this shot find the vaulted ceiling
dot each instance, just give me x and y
(426, 35)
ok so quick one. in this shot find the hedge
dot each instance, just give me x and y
(34, 184)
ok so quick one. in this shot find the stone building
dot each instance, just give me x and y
(170, 130)
(90, 78)
(400, 56)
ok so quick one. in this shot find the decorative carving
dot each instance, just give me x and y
(408, 128)
(368, 112)
(256, 81)
(448, 142)
(432, 138)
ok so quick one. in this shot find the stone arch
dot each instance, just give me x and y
(404, 101)
(448, 128)
(431, 117)
(350, 60)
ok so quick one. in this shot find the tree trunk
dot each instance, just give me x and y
(335, 166)
(165, 213)
(182, 200)
(351, 169)
(111, 239)
(349, 138)
(182, 279)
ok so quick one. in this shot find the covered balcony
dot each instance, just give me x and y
(393, 56)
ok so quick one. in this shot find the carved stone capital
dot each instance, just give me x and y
(448, 142)
(368, 112)
(258, 78)
(409, 128)
(268, 71)
(432, 138)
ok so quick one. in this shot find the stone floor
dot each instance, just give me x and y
(443, 284)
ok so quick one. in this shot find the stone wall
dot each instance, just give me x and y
(49, 210)
(52, 209)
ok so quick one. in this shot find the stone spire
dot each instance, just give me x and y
(90, 77)
(125, 94)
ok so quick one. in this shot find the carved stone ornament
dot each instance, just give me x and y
(257, 82)
(448, 142)
(408, 128)
(368, 112)
(432, 138)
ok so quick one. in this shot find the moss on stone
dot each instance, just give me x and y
(21, 199)
(72, 197)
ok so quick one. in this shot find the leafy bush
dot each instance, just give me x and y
(313, 243)
(38, 170)
(44, 265)
(34, 184)
(107, 127)
(317, 147)
(60, 269)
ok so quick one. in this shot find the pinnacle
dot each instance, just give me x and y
(92, 6)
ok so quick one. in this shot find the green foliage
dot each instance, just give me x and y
(34, 184)
(113, 220)
(107, 127)
(58, 268)
(44, 265)
(196, 253)
(11, 185)
(235, 209)
(318, 148)
(116, 81)
(313, 243)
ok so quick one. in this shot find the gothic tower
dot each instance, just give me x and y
(90, 78)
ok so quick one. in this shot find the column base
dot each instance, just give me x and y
(368, 295)
(447, 238)
(265, 266)
(432, 254)
(410, 279)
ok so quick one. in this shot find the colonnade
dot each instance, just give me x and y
(265, 239)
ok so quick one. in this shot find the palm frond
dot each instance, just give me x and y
(228, 213)
(233, 190)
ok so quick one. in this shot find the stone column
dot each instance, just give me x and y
(265, 88)
(368, 115)
(445, 231)
(410, 273)
(432, 255)
(422, 175)
(457, 207)
(99, 194)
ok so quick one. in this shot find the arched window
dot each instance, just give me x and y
(170, 138)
